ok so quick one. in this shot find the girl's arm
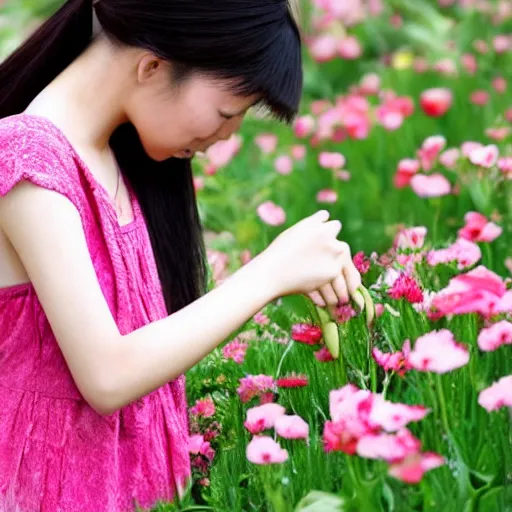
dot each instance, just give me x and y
(112, 370)
(109, 369)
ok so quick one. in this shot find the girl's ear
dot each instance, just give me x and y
(149, 66)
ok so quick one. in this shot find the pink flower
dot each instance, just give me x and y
(283, 165)
(388, 447)
(497, 395)
(267, 142)
(479, 229)
(347, 403)
(394, 416)
(505, 166)
(298, 152)
(263, 417)
(349, 408)
(370, 84)
(323, 355)
(222, 152)
(449, 158)
(291, 427)
(498, 134)
(264, 450)
(430, 150)
(463, 251)
(203, 407)
(446, 67)
(434, 185)
(361, 262)
(342, 175)
(271, 214)
(412, 468)
(481, 46)
(396, 361)
(357, 414)
(331, 160)
(306, 333)
(219, 262)
(479, 98)
(198, 183)
(235, 350)
(500, 84)
(327, 196)
(469, 62)
(469, 146)
(501, 43)
(407, 288)
(407, 168)
(438, 352)
(254, 385)
(349, 48)
(420, 65)
(304, 126)
(323, 48)
(261, 319)
(410, 238)
(493, 337)
(389, 118)
(198, 445)
(344, 313)
(485, 157)
(292, 381)
(478, 291)
(436, 102)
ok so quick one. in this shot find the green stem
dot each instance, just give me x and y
(442, 405)
(343, 372)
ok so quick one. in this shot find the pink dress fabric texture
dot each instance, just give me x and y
(57, 454)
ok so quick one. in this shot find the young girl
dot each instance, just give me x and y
(102, 268)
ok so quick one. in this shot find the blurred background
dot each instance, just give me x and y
(367, 111)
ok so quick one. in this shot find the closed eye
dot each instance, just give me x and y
(226, 116)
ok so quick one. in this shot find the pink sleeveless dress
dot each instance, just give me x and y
(56, 453)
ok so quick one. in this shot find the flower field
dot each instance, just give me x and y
(405, 135)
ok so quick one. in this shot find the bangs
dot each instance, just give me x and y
(277, 76)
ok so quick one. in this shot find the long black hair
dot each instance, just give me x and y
(255, 43)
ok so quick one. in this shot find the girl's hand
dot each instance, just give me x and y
(309, 259)
(341, 290)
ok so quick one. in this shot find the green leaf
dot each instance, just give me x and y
(318, 501)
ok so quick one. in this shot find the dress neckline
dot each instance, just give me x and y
(96, 185)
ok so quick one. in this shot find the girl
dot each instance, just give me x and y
(102, 268)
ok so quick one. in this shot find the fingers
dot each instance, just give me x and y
(352, 277)
(330, 298)
(321, 215)
(335, 227)
(339, 287)
(317, 299)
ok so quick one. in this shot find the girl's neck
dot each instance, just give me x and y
(86, 100)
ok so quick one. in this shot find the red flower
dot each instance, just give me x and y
(406, 287)
(306, 333)
(323, 355)
(292, 381)
(361, 262)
